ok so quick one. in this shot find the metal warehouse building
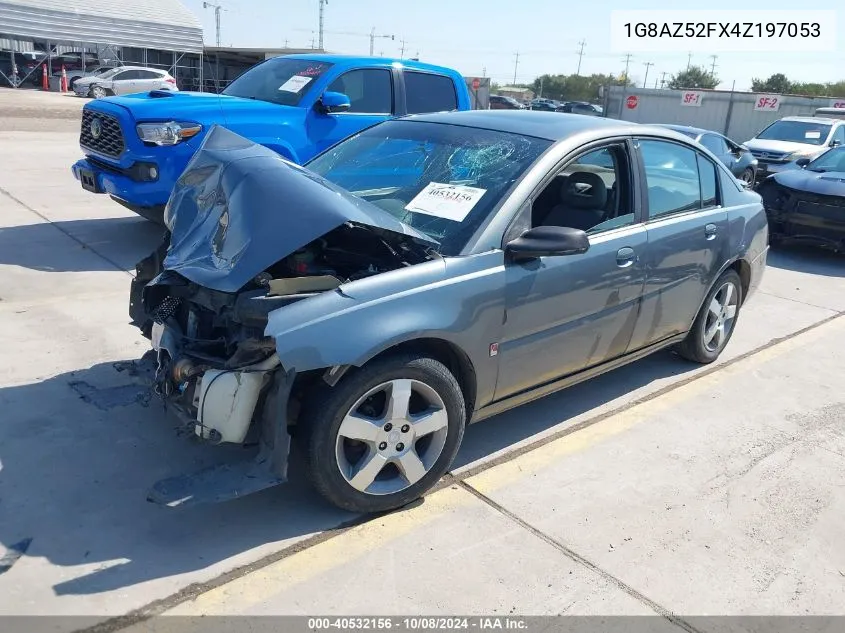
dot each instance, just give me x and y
(161, 33)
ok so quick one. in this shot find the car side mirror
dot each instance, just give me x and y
(548, 240)
(802, 162)
(835, 142)
(334, 102)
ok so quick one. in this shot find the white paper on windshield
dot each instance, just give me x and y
(813, 134)
(295, 83)
(452, 202)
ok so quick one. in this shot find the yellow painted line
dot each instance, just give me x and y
(535, 460)
(251, 589)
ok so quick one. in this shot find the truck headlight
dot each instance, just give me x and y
(169, 133)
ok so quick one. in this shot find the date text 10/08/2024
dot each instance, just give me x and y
(417, 623)
(722, 29)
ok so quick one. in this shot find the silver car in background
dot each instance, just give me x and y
(124, 80)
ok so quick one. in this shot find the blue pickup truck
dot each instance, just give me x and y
(136, 146)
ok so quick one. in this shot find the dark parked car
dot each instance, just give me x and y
(808, 201)
(501, 102)
(23, 64)
(426, 273)
(581, 107)
(736, 157)
(545, 105)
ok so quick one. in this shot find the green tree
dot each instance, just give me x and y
(777, 83)
(575, 87)
(694, 77)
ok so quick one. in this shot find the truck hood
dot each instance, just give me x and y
(239, 208)
(203, 107)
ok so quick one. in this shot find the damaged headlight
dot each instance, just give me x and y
(169, 133)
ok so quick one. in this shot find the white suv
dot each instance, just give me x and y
(124, 80)
(791, 138)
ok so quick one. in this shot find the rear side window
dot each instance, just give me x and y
(126, 74)
(148, 74)
(426, 92)
(707, 175)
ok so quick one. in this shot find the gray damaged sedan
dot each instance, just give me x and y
(426, 273)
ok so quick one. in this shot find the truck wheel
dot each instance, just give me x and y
(715, 322)
(384, 434)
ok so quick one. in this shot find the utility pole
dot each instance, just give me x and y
(484, 71)
(580, 54)
(663, 78)
(689, 59)
(647, 66)
(541, 86)
(323, 4)
(373, 37)
(217, 8)
(627, 63)
(713, 65)
(402, 52)
(515, 66)
(286, 42)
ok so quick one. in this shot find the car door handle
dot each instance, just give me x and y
(710, 231)
(625, 257)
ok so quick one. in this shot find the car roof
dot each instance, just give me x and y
(810, 119)
(552, 126)
(357, 60)
(687, 128)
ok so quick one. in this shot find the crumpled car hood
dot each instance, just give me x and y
(239, 208)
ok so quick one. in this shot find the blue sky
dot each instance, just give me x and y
(482, 36)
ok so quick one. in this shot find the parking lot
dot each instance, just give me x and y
(661, 487)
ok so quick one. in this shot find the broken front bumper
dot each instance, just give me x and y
(268, 466)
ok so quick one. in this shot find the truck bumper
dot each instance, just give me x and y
(146, 198)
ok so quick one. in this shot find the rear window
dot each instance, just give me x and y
(427, 92)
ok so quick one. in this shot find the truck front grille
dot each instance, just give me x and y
(101, 133)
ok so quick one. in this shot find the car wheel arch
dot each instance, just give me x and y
(439, 349)
(283, 150)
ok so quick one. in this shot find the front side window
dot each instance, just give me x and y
(426, 92)
(591, 193)
(443, 180)
(370, 90)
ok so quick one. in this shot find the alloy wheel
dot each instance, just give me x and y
(720, 317)
(747, 176)
(391, 437)
(98, 91)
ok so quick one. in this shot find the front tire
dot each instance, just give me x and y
(98, 92)
(748, 176)
(716, 320)
(385, 434)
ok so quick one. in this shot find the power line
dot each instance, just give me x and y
(647, 65)
(515, 66)
(627, 64)
(580, 54)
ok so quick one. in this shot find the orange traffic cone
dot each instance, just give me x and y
(45, 82)
(63, 87)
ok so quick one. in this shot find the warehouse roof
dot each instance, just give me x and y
(157, 24)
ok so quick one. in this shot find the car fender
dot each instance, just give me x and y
(460, 302)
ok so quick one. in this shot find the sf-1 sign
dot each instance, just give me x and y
(767, 103)
(691, 98)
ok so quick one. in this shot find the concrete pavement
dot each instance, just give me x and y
(677, 476)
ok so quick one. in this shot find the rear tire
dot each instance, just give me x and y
(716, 320)
(368, 449)
(747, 176)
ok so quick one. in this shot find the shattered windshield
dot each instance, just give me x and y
(279, 80)
(443, 180)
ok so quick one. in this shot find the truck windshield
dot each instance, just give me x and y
(443, 180)
(796, 132)
(279, 80)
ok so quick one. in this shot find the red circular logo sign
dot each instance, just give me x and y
(476, 83)
(631, 102)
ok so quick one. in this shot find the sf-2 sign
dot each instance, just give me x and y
(691, 98)
(767, 103)
(838, 103)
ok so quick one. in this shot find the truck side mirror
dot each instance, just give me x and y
(334, 102)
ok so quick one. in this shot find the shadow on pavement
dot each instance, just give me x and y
(44, 246)
(79, 451)
(808, 259)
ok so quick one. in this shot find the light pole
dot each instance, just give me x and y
(373, 37)
(323, 4)
(217, 8)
